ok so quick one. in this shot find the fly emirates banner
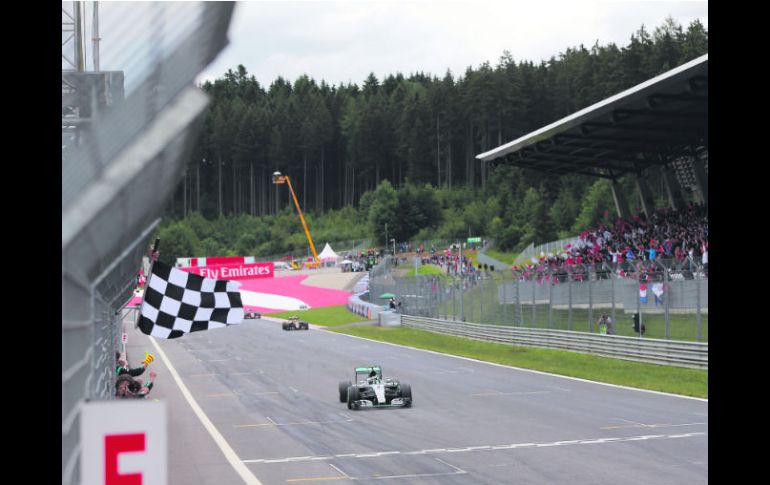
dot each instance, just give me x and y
(234, 271)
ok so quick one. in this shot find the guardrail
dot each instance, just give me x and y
(652, 351)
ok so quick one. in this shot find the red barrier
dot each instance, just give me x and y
(218, 260)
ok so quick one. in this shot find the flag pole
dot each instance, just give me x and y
(153, 258)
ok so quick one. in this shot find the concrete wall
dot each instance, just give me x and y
(364, 308)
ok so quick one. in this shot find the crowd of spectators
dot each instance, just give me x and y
(638, 247)
(455, 265)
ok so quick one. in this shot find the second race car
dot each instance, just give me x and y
(294, 323)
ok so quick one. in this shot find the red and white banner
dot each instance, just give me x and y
(123, 442)
(217, 260)
(234, 271)
(213, 260)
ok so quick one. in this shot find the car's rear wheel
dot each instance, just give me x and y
(406, 393)
(344, 385)
(353, 396)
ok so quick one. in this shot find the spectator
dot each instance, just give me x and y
(679, 256)
(652, 252)
(667, 248)
(602, 323)
(615, 253)
(605, 325)
(636, 324)
(122, 367)
(128, 387)
(122, 386)
(141, 390)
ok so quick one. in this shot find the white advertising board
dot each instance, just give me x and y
(123, 442)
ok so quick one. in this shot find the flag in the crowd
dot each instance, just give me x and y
(643, 293)
(657, 290)
(177, 302)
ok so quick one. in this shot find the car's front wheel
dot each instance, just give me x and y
(353, 397)
(344, 385)
(406, 393)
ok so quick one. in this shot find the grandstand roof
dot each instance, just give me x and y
(652, 123)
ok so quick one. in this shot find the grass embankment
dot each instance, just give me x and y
(427, 270)
(507, 258)
(675, 380)
(330, 316)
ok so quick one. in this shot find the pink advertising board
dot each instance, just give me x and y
(234, 271)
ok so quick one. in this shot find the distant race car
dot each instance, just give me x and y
(372, 391)
(295, 324)
(251, 315)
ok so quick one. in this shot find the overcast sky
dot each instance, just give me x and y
(344, 41)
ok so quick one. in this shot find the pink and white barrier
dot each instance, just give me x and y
(214, 261)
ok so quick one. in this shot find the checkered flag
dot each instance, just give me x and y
(176, 302)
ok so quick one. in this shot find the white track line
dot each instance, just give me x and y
(340, 471)
(658, 425)
(229, 453)
(435, 451)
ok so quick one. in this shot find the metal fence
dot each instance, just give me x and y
(549, 247)
(559, 301)
(651, 351)
(121, 161)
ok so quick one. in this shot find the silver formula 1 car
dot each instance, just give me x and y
(371, 390)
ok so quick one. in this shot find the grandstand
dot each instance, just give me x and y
(660, 124)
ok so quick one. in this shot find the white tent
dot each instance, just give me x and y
(328, 254)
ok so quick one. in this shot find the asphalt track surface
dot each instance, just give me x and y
(273, 396)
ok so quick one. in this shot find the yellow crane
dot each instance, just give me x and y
(278, 179)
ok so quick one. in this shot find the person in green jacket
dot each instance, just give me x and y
(122, 367)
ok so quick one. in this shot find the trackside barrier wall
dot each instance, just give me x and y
(652, 351)
(118, 169)
(364, 308)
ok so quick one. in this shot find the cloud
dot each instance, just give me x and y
(345, 41)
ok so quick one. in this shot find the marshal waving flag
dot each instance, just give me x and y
(176, 303)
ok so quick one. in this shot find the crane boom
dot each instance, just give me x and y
(279, 180)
